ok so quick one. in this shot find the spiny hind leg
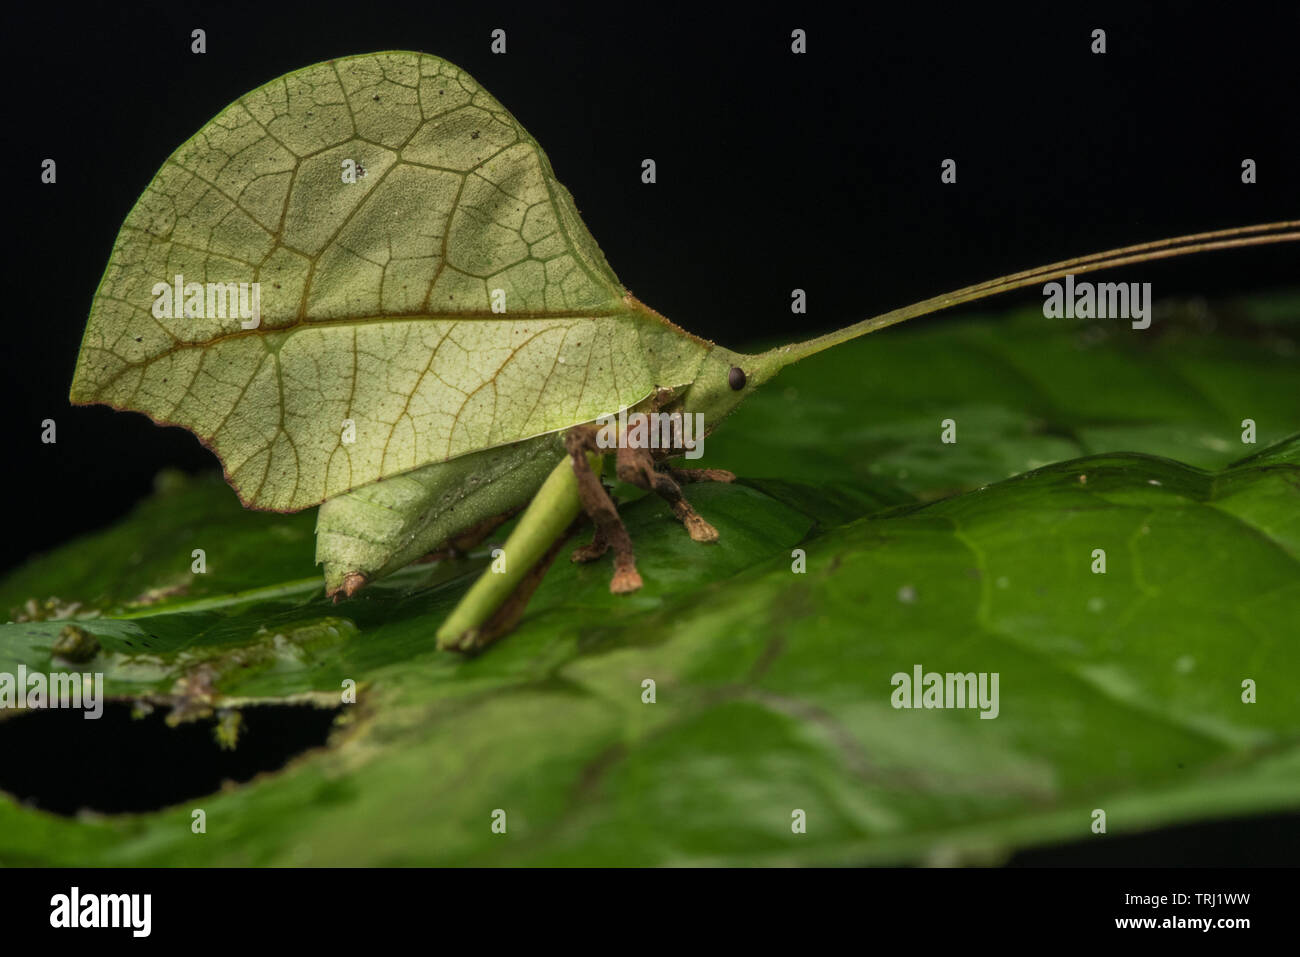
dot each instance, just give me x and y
(637, 467)
(503, 620)
(600, 508)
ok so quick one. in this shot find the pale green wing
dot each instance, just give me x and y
(384, 205)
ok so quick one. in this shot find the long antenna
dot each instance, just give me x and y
(1258, 235)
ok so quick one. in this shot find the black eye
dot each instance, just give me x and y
(736, 378)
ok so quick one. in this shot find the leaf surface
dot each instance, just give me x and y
(380, 300)
(772, 689)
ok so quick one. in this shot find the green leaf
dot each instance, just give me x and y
(1119, 691)
(1024, 391)
(380, 299)
(146, 561)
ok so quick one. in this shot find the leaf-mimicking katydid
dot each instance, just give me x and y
(362, 286)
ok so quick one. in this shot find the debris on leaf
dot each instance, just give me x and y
(75, 645)
(51, 609)
(194, 693)
(229, 722)
(154, 595)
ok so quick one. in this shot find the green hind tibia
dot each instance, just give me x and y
(379, 528)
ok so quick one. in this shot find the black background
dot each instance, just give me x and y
(775, 171)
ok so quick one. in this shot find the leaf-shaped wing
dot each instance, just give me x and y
(424, 287)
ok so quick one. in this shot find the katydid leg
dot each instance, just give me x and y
(610, 530)
(547, 518)
(637, 467)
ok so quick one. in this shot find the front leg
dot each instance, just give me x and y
(637, 467)
(610, 530)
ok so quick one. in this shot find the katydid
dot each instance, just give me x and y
(363, 288)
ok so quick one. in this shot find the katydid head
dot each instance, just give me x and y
(725, 379)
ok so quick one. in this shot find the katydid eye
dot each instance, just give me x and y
(736, 378)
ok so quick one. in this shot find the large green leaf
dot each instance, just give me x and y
(1120, 691)
(445, 299)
